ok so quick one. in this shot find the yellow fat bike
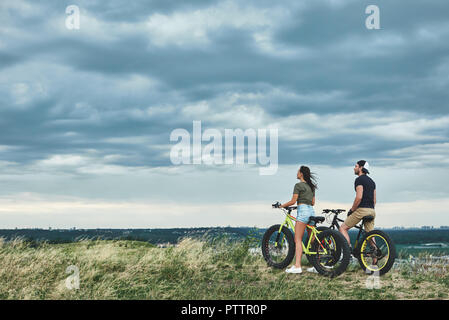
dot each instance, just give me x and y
(327, 250)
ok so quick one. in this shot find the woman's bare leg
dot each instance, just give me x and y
(299, 233)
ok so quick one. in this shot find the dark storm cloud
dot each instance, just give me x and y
(8, 59)
(400, 68)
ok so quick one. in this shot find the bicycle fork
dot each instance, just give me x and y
(372, 242)
(288, 224)
(356, 241)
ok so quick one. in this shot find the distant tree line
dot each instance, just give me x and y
(155, 236)
(158, 236)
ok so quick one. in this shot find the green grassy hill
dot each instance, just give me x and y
(194, 269)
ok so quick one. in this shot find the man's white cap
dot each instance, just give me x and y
(366, 166)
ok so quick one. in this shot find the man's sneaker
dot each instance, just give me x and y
(293, 269)
(353, 260)
(312, 269)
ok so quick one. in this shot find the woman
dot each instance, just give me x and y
(304, 196)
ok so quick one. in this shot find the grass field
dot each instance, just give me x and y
(193, 269)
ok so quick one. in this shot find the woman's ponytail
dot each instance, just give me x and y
(309, 177)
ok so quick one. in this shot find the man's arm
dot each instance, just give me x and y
(358, 197)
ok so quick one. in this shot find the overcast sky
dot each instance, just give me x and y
(86, 115)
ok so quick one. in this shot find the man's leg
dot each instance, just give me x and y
(349, 223)
(369, 226)
(344, 231)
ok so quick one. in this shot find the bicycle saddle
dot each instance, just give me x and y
(368, 218)
(316, 219)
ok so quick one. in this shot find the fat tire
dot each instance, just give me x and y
(392, 255)
(341, 244)
(291, 246)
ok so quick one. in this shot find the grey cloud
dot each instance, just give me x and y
(330, 78)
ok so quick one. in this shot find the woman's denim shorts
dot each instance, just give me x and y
(305, 211)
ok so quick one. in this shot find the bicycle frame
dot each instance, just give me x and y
(288, 222)
(360, 227)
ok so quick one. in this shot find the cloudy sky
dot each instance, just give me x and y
(86, 115)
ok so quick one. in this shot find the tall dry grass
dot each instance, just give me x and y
(193, 269)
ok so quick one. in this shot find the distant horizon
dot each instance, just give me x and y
(202, 227)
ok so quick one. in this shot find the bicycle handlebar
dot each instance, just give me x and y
(336, 211)
(277, 206)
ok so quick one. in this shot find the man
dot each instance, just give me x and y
(364, 202)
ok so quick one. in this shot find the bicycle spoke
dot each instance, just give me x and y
(329, 259)
(376, 253)
(278, 247)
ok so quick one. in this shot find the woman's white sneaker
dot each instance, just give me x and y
(312, 269)
(293, 269)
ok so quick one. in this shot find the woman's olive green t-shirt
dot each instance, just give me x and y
(304, 192)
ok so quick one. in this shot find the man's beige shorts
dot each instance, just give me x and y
(357, 216)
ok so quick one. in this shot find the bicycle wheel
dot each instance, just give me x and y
(278, 248)
(332, 253)
(321, 228)
(376, 252)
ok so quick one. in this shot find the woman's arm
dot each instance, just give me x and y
(313, 201)
(291, 202)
